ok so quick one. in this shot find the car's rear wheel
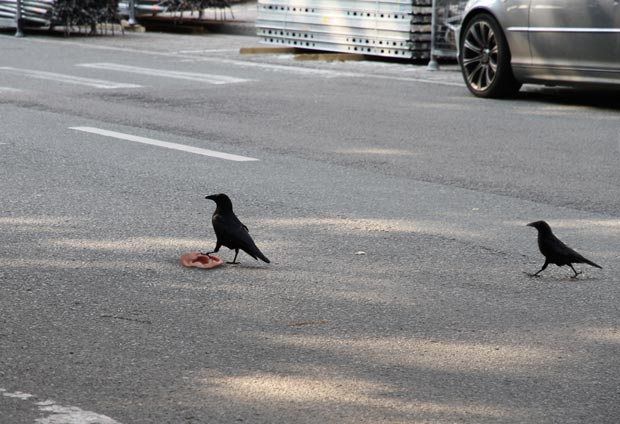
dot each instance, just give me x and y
(485, 59)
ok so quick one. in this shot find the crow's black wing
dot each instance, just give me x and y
(560, 254)
(228, 229)
(231, 233)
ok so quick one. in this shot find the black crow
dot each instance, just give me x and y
(555, 251)
(231, 232)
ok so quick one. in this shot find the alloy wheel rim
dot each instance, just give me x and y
(480, 54)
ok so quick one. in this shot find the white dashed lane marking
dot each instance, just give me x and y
(164, 144)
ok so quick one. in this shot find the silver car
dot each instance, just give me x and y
(505, 43)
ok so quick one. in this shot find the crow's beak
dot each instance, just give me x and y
(530, 224)
(210, 197)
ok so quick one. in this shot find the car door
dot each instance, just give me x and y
(574, 35)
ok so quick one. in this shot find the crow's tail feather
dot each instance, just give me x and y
(263, 258)
(589, 262)
(254, 252)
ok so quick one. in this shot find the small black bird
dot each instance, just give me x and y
(555, 251)
(231, 232)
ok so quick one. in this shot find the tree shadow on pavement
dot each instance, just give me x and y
(420, 328)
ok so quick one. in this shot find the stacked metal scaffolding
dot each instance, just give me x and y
(396, 28)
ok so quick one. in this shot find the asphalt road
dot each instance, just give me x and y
(391, 202)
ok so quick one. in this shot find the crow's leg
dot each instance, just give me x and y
(217, 249)
(541, 269)
(576, 273)
(234, 261)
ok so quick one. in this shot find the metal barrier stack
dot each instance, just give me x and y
(75, 13)
(447, 17)
(66, 13)
(396, 28)
(34, 12)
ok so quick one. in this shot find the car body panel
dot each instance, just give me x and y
(564, 42)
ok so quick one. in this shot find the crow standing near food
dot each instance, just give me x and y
(231, 232)
(555, 251)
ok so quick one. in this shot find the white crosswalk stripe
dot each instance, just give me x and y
(9, 90)
(69, 79)
(190, 76)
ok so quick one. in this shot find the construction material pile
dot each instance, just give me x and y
(391, 28)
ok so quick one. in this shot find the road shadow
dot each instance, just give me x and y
(598, 98)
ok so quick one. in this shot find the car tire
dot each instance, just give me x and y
(484, 57)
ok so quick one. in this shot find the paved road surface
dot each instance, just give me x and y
(436, 322)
